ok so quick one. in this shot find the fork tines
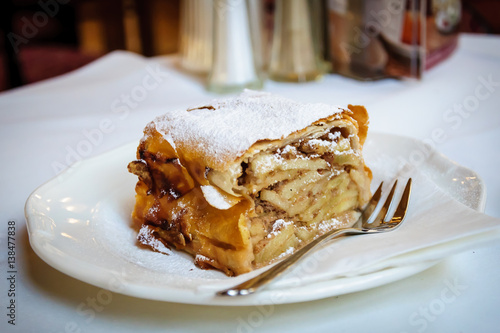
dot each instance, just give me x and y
(383, 214)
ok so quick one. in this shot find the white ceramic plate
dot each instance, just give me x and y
(79, 223)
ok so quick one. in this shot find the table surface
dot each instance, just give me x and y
(42, 124)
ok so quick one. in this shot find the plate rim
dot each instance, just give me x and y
(137, 290)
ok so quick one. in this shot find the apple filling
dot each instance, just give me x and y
(299, 191)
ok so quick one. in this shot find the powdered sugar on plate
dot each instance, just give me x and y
(146, 236)
(228, 127)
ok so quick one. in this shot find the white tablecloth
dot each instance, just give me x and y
(47, 126)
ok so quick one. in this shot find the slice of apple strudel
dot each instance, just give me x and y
(244, 181)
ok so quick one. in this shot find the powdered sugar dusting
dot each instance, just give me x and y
(146, 237)
(289, 149)
(176, 214)
(286, 253)
(327, 225)
(228, 127)
(200, 257)
(278, 225)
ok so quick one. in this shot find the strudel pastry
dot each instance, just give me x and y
(243, 181)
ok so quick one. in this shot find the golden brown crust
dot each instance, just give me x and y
(183, 197)
(361, 116)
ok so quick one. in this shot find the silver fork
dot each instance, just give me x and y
(366, 224)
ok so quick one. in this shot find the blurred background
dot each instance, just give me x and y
(45, 38)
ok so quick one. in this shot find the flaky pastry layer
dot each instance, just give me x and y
(255, 206)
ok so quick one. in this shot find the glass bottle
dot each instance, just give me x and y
(234, 66)
(195, 47)
(294, 56)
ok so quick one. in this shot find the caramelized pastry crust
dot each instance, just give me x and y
(240, 195)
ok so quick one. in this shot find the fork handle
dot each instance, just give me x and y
(251, 285)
